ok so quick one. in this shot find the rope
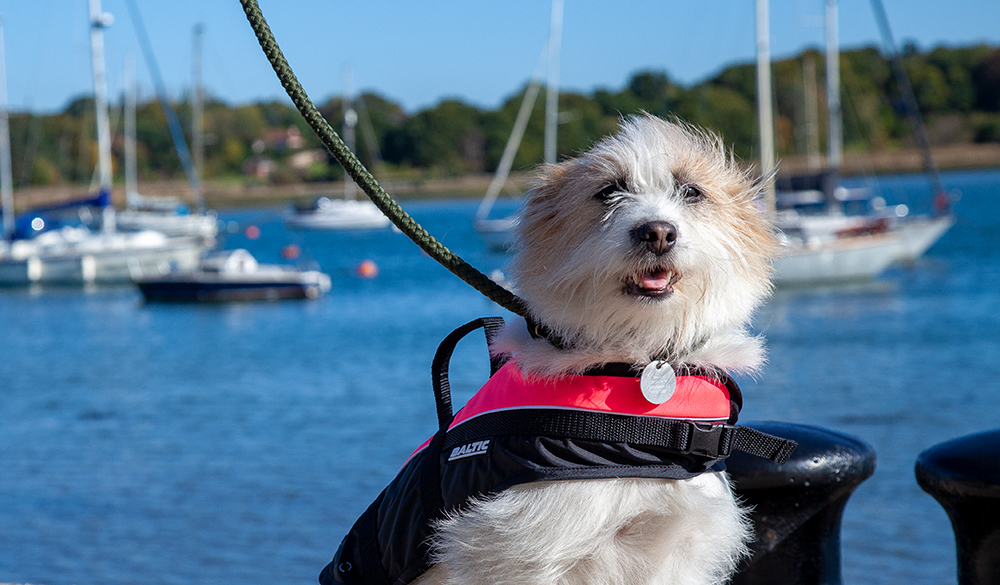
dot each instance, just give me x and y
(364, 179)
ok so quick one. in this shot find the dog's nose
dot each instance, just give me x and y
(658, 236)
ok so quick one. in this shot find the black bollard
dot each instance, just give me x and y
(797, 506)
(963, 475)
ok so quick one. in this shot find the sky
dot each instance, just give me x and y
(417, 53)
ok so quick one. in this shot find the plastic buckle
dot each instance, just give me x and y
(709, 440)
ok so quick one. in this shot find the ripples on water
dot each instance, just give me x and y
(238, 443)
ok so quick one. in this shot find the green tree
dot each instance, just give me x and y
(447, 138)
(725, 111)
(986, 76)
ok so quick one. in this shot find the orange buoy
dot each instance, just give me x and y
(252, 232)
(367, 269)
(291, 252)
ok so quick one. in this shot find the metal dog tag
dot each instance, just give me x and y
(658, 382)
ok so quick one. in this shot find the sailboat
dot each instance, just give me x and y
(832, 245)
(76, 255)
(166, 214)
(498, 232)
(347, 213)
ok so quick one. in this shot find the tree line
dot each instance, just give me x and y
(957, 89)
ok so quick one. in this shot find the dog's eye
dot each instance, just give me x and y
(692, 193)
(609, 190)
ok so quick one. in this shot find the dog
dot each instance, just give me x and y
(646, 251)
(650, 246)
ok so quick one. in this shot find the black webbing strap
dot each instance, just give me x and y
(714, 441)
(588, 426)
(763, 445)
(430, 479)
(439, 367)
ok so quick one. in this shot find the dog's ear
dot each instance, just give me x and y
(549, 180)
(550, 173)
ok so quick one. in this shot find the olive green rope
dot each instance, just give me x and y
(364, 179)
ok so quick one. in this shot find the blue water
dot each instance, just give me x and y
(220, 444)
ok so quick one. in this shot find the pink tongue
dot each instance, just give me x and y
(654, 280)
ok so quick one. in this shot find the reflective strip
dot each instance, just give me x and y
(696, 397)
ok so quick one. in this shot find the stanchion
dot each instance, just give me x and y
(963, 475)
(797, 506)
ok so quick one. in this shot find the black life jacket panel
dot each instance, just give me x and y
(519, 429)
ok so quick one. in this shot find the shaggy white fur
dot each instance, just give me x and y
(649, 246)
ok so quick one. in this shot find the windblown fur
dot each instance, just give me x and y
(649, 246)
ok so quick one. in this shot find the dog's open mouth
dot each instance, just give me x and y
(654, 283)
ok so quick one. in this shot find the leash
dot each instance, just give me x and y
(364, 179)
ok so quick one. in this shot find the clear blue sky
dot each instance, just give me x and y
(417, 53)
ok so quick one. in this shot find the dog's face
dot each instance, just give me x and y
(646, 246)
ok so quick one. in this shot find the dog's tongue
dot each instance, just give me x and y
(657, 280)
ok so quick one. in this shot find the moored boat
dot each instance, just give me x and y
(167, 215)
(831, 233)
(75, 255)
(324, 213)
(347, 213)
(234, 275)
(498, 233)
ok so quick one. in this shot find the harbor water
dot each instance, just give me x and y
(212, 444)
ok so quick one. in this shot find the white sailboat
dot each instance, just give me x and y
(166, 214)
(76, 255)
(833, 246)
(347, 213)
(498, 232)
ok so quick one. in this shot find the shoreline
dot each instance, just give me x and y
(234, 194)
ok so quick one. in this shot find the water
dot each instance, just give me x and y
(220, 444)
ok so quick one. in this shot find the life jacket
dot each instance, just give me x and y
(521, 428)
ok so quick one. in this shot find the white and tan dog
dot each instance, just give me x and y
(648, 247)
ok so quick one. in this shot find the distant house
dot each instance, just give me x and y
(285, 138)
(258, 167)
(302, 160)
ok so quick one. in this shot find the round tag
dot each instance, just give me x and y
(658, 382)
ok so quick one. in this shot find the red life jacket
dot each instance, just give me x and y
(519, 429)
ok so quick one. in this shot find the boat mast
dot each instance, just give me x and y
(514, 140)
(6, 176)
(173, 123)
(552, 90)
(835, 140)
(98, 22)
(131, 172)
(350, 121)
(764, 104)
(197, 113)
(811, 109)
(919, 131)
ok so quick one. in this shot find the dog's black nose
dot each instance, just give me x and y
(658, 236)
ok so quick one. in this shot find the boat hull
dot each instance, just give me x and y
(920, 233)
(174, 225)
(850, 259)
(498, 234)
(337, 215)
(188, 292)
(234, 276)
(79, 266)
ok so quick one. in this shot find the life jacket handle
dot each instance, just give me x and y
(442, 358)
